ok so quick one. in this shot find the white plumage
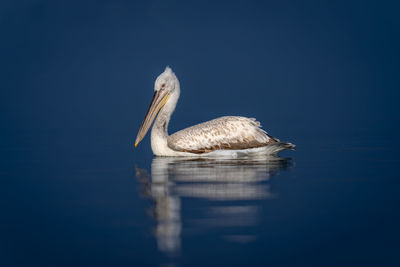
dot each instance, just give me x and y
(229, 135)
(228, 132)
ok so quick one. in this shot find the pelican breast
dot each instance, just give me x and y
(230, 132)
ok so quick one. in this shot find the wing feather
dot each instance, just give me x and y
(230, 132)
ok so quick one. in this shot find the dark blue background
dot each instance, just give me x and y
(76, 78)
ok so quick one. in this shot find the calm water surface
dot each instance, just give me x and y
(97, 202)
(76, 78)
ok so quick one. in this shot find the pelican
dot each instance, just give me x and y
(225, 136)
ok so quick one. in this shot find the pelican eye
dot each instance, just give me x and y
(163, 85)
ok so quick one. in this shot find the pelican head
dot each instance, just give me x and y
(166, 94)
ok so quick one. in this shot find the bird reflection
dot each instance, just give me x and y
(231, 190)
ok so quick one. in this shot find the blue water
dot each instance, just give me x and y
(77, 78)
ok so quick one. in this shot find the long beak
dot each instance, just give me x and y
(159, 99)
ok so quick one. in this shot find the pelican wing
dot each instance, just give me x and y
(229, 132)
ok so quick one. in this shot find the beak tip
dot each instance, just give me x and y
(136, 144)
